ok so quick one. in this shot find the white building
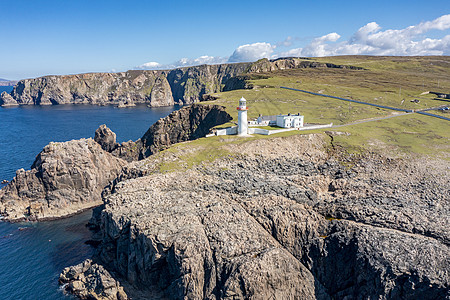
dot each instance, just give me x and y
(287, 122)
(290, 121)
(242, 117)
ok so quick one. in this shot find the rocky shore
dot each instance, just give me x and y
(285, 222)
(155, 88)
(69, 177)
(278, 218)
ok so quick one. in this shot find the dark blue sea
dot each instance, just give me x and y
(33, 254)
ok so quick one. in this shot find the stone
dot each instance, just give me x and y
(65, 178)
(105, 138)
(7, 100)
(89, 280)
(271, 223)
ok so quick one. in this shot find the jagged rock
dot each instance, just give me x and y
(161, 92)
(125, 104)
(357, 261)
(7, 100)
(105, 138)
(88, 280)
(195, 245)
(64, 179)
(129, 151)
(186, 124)
(155, 88)
(257, 226)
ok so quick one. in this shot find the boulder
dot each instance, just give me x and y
(89, 280)
(64, 179)
(7, 100)
(105, 138)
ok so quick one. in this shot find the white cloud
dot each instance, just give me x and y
(149, 66)
(286, 43)
(251, 52)
(205, 59)
(183, 62)
(371, 40)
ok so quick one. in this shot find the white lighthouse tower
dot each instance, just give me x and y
(242, 117)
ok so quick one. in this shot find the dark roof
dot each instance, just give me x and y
(269, 118)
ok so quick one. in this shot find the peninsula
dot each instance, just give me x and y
(155, 88)
(358, 210)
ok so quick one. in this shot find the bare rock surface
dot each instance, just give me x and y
(64, 179)
(105, 138)
(188, 123)
(7, 100)
(155, 88)
(88, 280)
(195, 244)
(267, 223)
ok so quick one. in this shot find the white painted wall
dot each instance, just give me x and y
(242, 122)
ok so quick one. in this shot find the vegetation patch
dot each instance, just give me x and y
(391, 81)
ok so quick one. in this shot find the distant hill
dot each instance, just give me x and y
(6, 82)
(157, 88)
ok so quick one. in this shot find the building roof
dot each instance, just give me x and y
(268, 118)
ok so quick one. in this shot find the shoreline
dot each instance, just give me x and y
(48, 219)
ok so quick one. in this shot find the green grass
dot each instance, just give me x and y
(385, 81)
(380, 83)
(205, 150)
(407, 134)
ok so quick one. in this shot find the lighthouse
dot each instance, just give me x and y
(242, 117)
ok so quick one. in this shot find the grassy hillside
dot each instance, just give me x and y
(392, 81)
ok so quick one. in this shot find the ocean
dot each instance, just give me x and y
(33, 254)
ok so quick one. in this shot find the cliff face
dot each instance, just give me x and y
(68, 177)
(188, 123)
(156, 88)
(280, 222)
(94, 88)
(64, 179)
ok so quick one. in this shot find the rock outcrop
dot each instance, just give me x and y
(64, 179)
(279, 222)
(88, 280)
(7, 100)
(105, 138)
(155, 88)
(188, 123)
(68, 177)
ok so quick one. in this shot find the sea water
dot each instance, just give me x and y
(33, 254)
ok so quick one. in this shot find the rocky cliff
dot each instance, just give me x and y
(188, 123)
(156, 88)
(64, 179)
(284, 222)
(68, 177)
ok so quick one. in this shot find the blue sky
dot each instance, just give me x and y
(66, 37)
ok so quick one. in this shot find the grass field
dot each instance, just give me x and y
(384, 80)
(392, 81)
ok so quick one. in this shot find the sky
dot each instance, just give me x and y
(53, 37)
